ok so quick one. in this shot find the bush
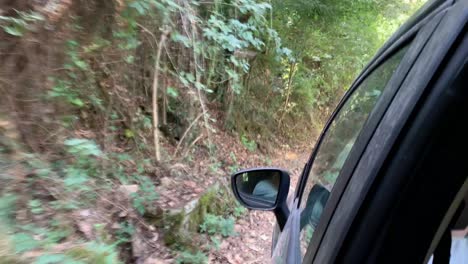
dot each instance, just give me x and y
(215, 224)
(187, 257)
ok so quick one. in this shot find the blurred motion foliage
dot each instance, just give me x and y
(330, 43)
(95, 91)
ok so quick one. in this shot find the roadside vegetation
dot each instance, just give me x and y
(121, 120)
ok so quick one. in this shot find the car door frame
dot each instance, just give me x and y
(410, 32)
(360, 166)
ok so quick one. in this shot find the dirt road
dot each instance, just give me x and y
(252, 245)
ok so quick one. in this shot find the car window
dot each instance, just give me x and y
(337, 144)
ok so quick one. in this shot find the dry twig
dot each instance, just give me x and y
(155, 94)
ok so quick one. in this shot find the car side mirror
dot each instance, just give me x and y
(263, 189)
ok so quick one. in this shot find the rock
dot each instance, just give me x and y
(138, 244)
(85, 220)
(166, 181)
(155, 260)
(128, 189)
(155, 237)
(191, 184)
(123, 214)
(86, 227)
(85, 213)
(178, 170)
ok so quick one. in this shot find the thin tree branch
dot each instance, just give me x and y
(186, 133)
(162, 40)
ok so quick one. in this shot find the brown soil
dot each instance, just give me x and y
(255, 230)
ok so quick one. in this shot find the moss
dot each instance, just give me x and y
(173, 223)
(180, 226)
(215, 201)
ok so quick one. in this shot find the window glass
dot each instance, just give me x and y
(337, 144)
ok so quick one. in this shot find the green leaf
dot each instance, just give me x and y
(33, 16)
(129, 133)
(177, 37)
(227, 227)
(82, 147)
(130, 59)
(24, 242)
(138, 7)
(172, 92)
(72, 43)
(14, 31)
(35, 206)
(77, 102)
(51, 259)
(74, 181)
(190, 77)
(56, 259)
(81, 64)
(75, 141)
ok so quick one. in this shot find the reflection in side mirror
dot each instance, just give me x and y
(258, 189)
(263, 189)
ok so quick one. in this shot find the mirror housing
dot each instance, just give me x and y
(263, 189)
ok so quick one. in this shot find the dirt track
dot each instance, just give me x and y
(252, 245)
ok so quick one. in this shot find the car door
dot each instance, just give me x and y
(385, 158)
(347, 134)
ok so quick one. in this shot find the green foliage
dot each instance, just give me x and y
(24, 242)
(171, 91)
(7, 207)
(215, 224)
(239, 211)
(35, 206)
(309, 232)
(62, 89)
(216, 243)
(329, 43)
(251, 145)
(57, 235)
(82, 148)
(84, 167)
(235, 167)
(223, 33)
(146, 195)
(94, 252)
(125, 232)
(56, 259)
(17, 26)
(75, 60)
(215, 166)
(187, 257)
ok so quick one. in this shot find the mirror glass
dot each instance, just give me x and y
(259, 188)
